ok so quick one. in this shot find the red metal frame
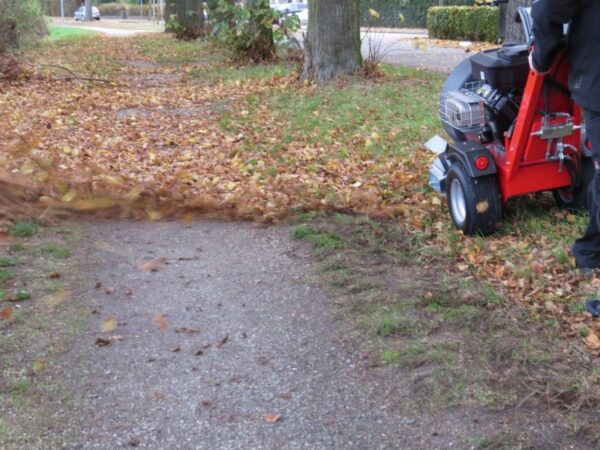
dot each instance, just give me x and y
(522, 166)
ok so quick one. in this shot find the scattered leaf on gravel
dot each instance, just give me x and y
(101, 342)
(157, 395)
(592, 340)
(176, 349)
(223, 341)
(151, 265)
(109, 325)
(54, 275)
(159, 319)
(56, 298)
(39, 365)
(133, 442)
(5, 313)
(272, 418)
(187, 330)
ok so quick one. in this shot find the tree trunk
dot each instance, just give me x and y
(332, 46)
(88, 9)
(514, 31)
(8, 35)
(167, 12)
(263, 46)
(190, 18)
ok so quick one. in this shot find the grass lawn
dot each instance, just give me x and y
(60, 33)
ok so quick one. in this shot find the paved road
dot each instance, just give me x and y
(397, 47)
(402, 49)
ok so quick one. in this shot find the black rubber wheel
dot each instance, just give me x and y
(461, 75)
(576, 200)
(474, 203)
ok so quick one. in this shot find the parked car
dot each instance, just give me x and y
(80, 13)
(300, 9)
(303, 16)
(294, 8)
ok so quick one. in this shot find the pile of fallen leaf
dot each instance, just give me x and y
(149, 144)
(467, 46)
(135, 138)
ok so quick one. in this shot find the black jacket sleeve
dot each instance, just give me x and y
(549, 16)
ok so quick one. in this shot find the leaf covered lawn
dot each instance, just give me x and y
(178, 131)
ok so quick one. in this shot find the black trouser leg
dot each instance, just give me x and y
(586, 249)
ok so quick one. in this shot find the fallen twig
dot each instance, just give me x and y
(74, 75)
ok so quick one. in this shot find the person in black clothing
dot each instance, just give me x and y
(583, 53)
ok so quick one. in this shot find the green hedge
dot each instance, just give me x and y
(477, 23)
(401, 13)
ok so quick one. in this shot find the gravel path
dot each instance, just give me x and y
(245, 340)
(227, 345)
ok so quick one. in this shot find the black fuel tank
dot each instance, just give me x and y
(504, 68)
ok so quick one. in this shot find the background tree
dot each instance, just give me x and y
(332, 46)
(21, 24)
(514, 31)
(185, 18)
(190, 19)
(88, 9)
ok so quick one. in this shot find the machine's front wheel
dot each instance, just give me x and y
(576, 199)
(474, 203)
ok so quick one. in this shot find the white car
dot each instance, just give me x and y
(299, 9)
(303, 16)
(80, 13)
(294, 8)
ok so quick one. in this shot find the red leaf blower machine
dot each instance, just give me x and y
(513, 131)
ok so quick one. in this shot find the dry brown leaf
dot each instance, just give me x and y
(159, 319)
(110, 324)
(5, 313)
(101, 342)
(592, 341)
(39, 365)
(223, 341)
(272, 418)
(56, 298)
(151, 265)
(187, 330)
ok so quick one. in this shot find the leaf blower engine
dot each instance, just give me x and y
(512, 132)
